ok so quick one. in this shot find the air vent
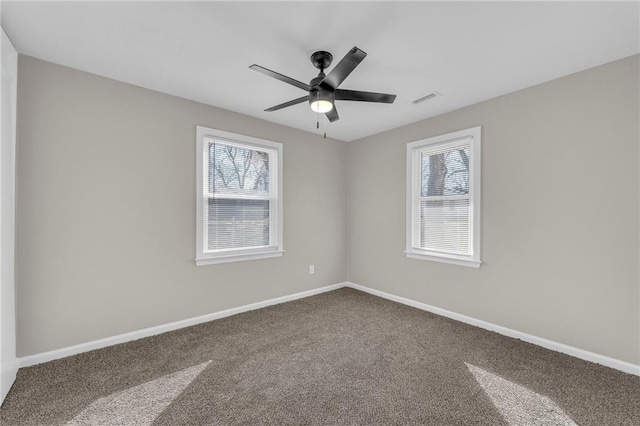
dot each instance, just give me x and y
(426, 98)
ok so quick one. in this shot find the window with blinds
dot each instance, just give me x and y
(443, 198)
(239, 209)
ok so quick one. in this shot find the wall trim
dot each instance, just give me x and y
(616, 364)
(30, 360)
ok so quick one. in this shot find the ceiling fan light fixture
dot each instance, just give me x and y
(321, 106)
(321, 100)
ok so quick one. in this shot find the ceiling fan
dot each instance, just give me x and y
(323, 90)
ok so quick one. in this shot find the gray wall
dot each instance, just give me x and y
(106, 210)
(559, 215)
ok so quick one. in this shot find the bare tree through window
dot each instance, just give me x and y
(234, 169)
(445, 173)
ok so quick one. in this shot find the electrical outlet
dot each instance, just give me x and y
(312, 269)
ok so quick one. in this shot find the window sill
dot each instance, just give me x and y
(454, 260)
(238, 257)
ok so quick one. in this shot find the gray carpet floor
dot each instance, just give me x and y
(343, 357)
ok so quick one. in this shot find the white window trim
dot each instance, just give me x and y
(412, 252)
(235, 255)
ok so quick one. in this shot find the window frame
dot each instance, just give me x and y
(276, 243)
(413, 195)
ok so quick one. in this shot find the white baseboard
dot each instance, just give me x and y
(152, 331)
(545, 343)
(30, 360)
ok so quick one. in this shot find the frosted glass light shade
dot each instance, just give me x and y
(321, 106)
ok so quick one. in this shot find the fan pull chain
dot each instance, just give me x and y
(324, 128)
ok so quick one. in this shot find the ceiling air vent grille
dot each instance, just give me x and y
(426, 98)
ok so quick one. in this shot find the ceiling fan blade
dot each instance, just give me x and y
(333, 114)
(355, 95)
(344, 68)
(288, 104)
(281, 77)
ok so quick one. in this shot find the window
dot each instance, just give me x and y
(239, 197)
(443, 198)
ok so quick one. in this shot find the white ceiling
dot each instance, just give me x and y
(469, 52)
